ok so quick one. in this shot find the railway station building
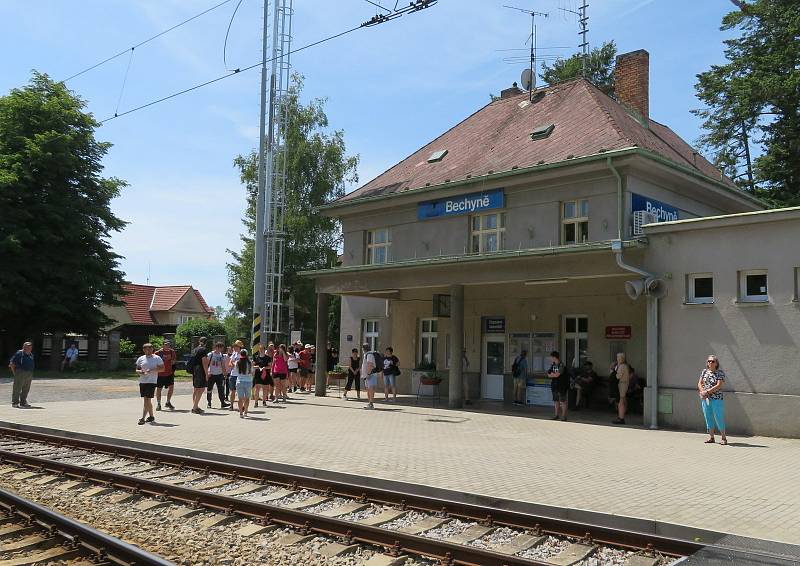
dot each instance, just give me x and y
(565, 219)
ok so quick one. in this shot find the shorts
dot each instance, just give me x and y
(371, 380)
(559, 395)
(280, 376)
(390, 380)
(303, 372)
(199, 379)
(243, 388)
(266, 380)
(232, 382)
(147, 390)
(166, 381)
(623, 389)
(257, 380)
(520, 381)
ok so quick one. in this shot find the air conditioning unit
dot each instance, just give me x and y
(640, 218)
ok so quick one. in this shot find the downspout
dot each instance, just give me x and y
(652, 303)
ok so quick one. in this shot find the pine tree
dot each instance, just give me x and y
(599, 68)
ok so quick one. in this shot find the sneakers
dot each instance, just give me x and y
(141, 421)
(25, 405)
(198, 411)
(564, 419)
(158, 406)
(369, 406)
(555, 418)
(209, 404)
(15, 405)
(150, 420)
(256, 402)
(224, 405)
(618, 421)
(170, 406)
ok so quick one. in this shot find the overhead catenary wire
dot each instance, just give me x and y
(225, 44)
(148, 40)
(414, 6)
(124, 81)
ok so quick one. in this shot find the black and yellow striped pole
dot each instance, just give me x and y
(256, 330)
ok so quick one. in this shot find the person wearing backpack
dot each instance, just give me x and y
(371, 364)
(519, 371)
(198, 367)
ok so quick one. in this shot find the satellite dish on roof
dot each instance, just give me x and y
(528, 79)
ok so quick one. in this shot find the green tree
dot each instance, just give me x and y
(753, 100)
(599, 68)
(318, 168)
(196, 327)
(55, 215)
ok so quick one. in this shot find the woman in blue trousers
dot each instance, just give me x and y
(710, 388)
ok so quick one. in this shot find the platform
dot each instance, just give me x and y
(568, 469)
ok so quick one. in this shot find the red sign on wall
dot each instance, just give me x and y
(618, 332)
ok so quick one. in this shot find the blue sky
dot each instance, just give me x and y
(391, 88)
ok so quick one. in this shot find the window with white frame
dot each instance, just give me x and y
(575, 221)
(371, 334)
(428, 339)
(185, 318)
(488, 232)
(378, 246)
(753, 286)
(576, 340)
(700, 288)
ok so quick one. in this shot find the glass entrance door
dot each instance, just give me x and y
(493, 366)
(576, 340)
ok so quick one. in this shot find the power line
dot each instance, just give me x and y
(225, 45)
(414, 6)
(148, 40)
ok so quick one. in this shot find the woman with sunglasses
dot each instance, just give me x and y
(710, 388)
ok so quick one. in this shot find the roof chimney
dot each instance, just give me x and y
(632, 81)
(509, 92)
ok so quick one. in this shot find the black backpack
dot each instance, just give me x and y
(515, 369)
(191, 363)
(378, 362)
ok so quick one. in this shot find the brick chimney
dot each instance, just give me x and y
(509, 92)
(632, 81)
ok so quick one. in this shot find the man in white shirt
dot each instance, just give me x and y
(148, 366)
(71, 357)
(369, 372)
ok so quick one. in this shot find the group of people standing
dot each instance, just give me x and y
(367, 367)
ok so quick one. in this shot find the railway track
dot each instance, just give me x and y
(398, 524)
(33, 534)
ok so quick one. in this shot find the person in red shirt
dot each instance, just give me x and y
(166, 377)
(304, 363)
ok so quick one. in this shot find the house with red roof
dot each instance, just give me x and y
(155, 309)
(567, 219)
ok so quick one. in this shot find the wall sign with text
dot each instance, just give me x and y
(662, 211)
(462, 204)
(620, 332)
(494, 325)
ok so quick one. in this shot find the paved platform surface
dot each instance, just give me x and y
(749, 488)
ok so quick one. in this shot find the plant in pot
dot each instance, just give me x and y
(338, 372)
(431, 376)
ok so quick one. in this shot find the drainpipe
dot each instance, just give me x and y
(652, 301)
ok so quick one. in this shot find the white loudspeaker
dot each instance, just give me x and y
(634, 288)
(651, 286)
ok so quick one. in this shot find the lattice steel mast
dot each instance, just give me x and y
(271, 202)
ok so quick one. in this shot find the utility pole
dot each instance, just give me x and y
(259, 240)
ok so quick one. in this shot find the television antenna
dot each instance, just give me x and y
(529, 75)
(583, 23)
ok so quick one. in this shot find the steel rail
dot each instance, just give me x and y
(596, 534)
(79, 536)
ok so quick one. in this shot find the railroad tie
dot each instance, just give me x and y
(159, 475)
(7, 470)
(638, 560)
(345, 509)
(385, 560)
(217, 520)
(274, 496)
(572, 554)
(95, 491)
(425, 524)
(26, 543)
(141, 470)
(185, 479)
(47, 480)
(125, 498)
(72, 484)
(310, 502)
(186, 512)
(151, 504)
(16, 529)
(97, 461)
(245, 489)
(334, 549)
(472, 533)
(26, 475)
(385, 516)
(255, 529)
(213, 484)
(49, 555)
(518, 544)
(294, 538)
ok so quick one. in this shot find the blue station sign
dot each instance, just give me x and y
(662, 211)
(462, 204)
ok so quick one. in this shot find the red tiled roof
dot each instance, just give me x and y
(141, 300)
(497, 138)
